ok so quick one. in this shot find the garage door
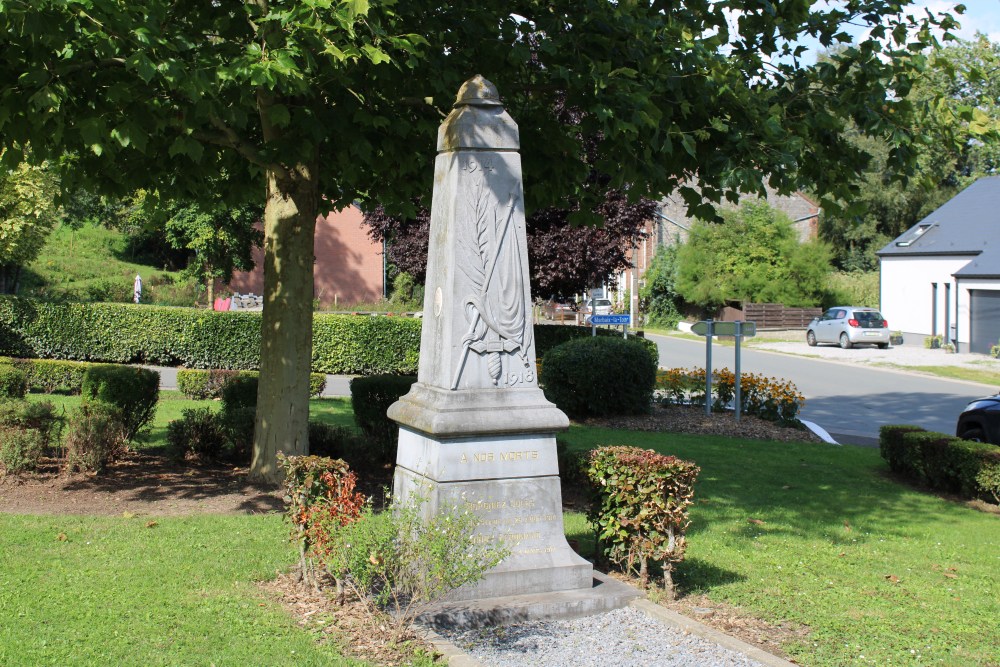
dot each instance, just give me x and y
(985, 314)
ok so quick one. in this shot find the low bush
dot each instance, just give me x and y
(572, 466)
(335, 442)
(28, 430)
(599, 376)
(20, 450)
(239, 392)
(772, 399)
(640, 507)
(95, 437)
(397, 561)
(202, 384)
(371, 397)
(317, 383)
(13, 381)
(942, 462)
(548, 336)
(198, 432)
(34, 416)
(133, 391)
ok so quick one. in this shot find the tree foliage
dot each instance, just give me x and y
(658, 294)
(754, 256)
(28, 214)
(319, 103)
(221, 238)
(563, 258)
(959, 95)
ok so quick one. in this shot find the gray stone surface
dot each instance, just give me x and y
(476, 431)
(601, 594)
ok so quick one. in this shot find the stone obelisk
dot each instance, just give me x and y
(476, 432)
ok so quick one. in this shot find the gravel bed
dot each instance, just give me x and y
(621, 638)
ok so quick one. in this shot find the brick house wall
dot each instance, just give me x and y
(348, 267)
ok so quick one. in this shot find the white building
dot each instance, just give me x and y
(942, 276)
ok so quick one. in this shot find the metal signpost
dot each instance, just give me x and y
(710, 328)
(619, 320)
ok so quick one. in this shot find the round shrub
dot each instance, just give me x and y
(13, 382)
(20, 450)
(239, 392)
(331, 441)
(599, 377)
(95, 437)
(199, 432)
(133, 391)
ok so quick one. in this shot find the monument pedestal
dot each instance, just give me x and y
(511, 484)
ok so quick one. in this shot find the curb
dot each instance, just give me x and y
(452, 654)
(681, 622)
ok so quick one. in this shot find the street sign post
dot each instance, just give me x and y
(619, 320)
(611, 319)
(710, 328)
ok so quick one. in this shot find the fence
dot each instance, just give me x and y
(771, 315)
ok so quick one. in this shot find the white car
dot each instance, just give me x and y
(848, 326)
(600, 307)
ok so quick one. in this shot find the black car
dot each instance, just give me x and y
(980, 420)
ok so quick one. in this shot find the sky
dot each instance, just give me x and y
(980, 16)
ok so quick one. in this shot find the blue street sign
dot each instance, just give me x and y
(611, 319)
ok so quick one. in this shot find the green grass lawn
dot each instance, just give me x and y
(878, 572)
(79, 590)
(872, 567)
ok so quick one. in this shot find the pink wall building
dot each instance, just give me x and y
(348, 268)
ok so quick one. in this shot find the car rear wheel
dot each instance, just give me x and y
(810, 338)
(883, 346)
(845, 342)
(975, 434)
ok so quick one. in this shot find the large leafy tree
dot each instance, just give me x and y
(311, 104)
(27, 215)
(754, 256)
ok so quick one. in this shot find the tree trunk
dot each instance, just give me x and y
(286, 327)
(209, 285)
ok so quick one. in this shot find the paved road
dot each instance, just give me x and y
(851, 401)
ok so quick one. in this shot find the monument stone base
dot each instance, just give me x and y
(511, 484)
(602, 595)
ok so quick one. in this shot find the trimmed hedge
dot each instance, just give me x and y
(371, 397)
(196, 338)
(597, 377)
(639, 508)
(942, 462)
(13, 381)
(202, 384)
(51, 376)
